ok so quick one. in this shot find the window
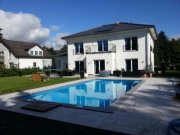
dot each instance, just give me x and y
(31, 52)
(132, 65)
(40, 53)
(11, 64)
(131, 44)
(79, 48)
(79, 65)
(36, 52)
(34, 64)
(103, 45)
(2, 54)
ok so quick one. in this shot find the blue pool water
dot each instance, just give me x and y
(93, 93)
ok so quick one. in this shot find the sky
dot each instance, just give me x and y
(46, 21)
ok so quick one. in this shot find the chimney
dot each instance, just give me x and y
(1, 35)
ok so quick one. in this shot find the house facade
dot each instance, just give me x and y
(119, 46)
(23, 55)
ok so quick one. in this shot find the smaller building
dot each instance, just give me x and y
(60, 61)
(23, 54)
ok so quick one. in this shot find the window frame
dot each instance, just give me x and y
(131, 44)
(102, 46)
(36, 53)
(34, 64)
(40, 53)
(31, 52)
(131, 65)
(79, 47)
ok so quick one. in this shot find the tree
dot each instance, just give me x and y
(63, 49)
(161, 49)
(50, 50)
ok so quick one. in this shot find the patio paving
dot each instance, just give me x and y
(145, 111)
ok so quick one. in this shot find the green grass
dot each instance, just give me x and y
(14, 84)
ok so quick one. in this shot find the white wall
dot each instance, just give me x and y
(117, 59)
(36, 48)
(8, 57)
(28, 62)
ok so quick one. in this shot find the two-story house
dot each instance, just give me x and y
(119, 46)
(23, 55)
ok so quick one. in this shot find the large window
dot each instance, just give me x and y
(102, 45)
(79, 65)
(131, 65)
(79, 48)
(131, 44)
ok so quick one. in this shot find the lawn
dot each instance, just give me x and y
(14, 84)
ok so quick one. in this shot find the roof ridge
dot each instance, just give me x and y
(21, 41)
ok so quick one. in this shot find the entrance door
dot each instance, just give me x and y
(79, 65)
(99, 65)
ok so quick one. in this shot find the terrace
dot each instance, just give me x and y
(145, 110)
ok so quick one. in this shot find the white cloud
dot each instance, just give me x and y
(57, 42)
(23, 27)
(56, 27)
(175, 36)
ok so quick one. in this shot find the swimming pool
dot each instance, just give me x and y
(93, 93)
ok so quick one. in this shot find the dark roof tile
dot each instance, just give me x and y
(20, 49)
(110, 28)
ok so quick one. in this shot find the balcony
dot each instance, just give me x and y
(93, 49)
(1, 58)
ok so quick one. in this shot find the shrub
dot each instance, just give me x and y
(117, 73)
(178, 66)
(5, 72)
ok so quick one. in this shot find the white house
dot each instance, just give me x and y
(23, 55)
(119, 46)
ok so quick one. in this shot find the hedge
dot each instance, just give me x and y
(4, 72)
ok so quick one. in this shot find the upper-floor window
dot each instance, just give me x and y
(40, 53)
(79, 48)
(36, 52)
(131, 43)
(102, 45)
(31, 52)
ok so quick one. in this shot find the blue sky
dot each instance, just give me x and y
(71, 16)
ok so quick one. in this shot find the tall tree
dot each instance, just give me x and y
(161, 49)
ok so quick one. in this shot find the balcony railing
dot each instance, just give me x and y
(1, 58)
(94, 49)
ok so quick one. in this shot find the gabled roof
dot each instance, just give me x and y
(117, 27)
(20, 49)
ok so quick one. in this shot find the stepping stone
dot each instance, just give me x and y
(40, 106)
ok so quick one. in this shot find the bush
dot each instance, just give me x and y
(117, 73)
(164, 67)
(47, 72)
(60, 73)
(178, 66)
(5, 72)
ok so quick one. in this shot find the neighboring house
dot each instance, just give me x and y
(23, 55)
(60, 61)
(119, 46)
